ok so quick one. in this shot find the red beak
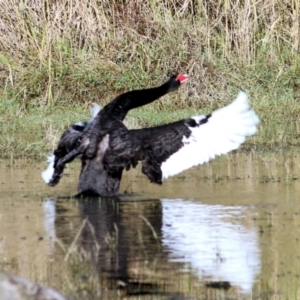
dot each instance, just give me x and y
(182, 78)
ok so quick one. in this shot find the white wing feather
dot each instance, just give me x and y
(95, 110)
(48, 173)
(226, 130)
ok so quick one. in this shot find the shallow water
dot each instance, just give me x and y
(227, 230)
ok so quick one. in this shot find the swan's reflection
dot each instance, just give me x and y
(49, 209)
(212, 240)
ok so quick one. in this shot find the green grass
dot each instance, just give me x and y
(56, 58)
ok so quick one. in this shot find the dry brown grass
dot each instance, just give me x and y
(57, 43)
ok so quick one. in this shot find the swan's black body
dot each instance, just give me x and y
(107, 147)
(102, 174)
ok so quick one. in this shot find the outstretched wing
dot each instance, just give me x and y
(67, 144)
(181, 145)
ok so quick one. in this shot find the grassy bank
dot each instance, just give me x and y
(57, 57)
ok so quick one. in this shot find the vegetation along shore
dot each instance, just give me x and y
(58, 57)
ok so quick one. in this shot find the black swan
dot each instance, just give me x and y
(108, 121)
(163, 150)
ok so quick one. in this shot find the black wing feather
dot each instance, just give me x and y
(152, 146)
